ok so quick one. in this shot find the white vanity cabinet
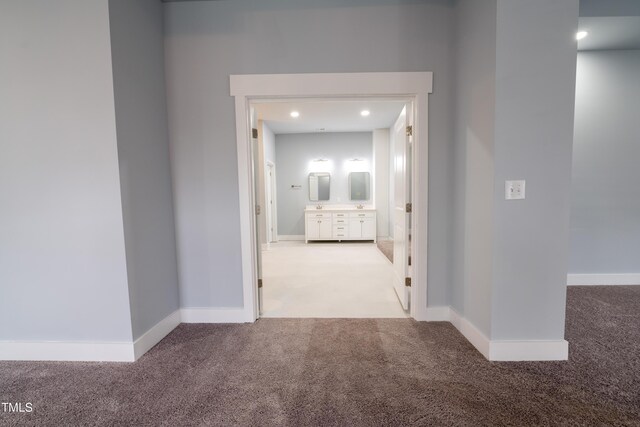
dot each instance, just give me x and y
(362, 226)
(340, 224)
(318, 226)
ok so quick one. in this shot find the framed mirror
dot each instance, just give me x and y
(319, 186)
(359, 186)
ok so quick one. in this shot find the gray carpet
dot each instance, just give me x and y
(386, 247)
(358, 372)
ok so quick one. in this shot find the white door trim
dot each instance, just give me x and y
(414, 86)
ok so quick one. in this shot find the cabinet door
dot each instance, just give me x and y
(313, 229)
(325, 228)
(368, 229)
(355, 228)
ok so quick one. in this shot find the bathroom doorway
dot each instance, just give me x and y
(284, 89)
(338, 160)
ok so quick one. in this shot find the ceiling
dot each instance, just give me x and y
(328, 116)
(610, 32)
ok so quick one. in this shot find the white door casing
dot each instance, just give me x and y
(413, 87)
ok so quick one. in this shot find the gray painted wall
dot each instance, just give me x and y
(605, 206)
(62, 252)
(295, 154)
(206, 41)
(535, 97)
(143, 151)
(515, 63)
(609, 8)
(473, 161)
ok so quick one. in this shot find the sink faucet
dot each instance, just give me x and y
(360, 207)
(318, 206)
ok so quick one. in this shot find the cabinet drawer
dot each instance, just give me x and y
(340, 221)
(311, 215)
(361, 214)
(340, 232)
(340, 215)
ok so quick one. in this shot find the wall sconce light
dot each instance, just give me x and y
(320, 165)
(356, 165)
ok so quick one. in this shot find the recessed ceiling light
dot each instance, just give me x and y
(294, 114)
(365, 113)
(581, 34)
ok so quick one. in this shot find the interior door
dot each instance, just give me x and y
(269, 202)
(401, 218)
(255, 147)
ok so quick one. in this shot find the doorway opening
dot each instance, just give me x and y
(359, 211)
(342, 249)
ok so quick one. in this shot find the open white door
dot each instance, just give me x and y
(255, 147)
(400, 150)
(270, 201)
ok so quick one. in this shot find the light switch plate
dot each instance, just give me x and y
(514, 190)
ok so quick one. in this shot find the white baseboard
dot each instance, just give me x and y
(67, 351)
(476, 337)
(116, 351)
(603, 279)
(515, 351)
(214, 315)
(505, 351)
(438, 314)
(290, 237)
(154, 335)
(89, 351)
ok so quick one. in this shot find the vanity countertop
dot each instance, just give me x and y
(333, 208)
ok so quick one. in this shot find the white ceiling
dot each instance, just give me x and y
(610, 32)
(328, 116)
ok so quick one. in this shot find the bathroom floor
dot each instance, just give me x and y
(342, 280)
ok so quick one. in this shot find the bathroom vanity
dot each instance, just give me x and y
(339, 223)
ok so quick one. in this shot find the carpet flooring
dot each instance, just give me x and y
(347, 372)
(386, 247)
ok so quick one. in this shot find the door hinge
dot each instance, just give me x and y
(407, 281)
(257, 209)
(254, 133)
(259, 283)
(408, 208)
(409, 130)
